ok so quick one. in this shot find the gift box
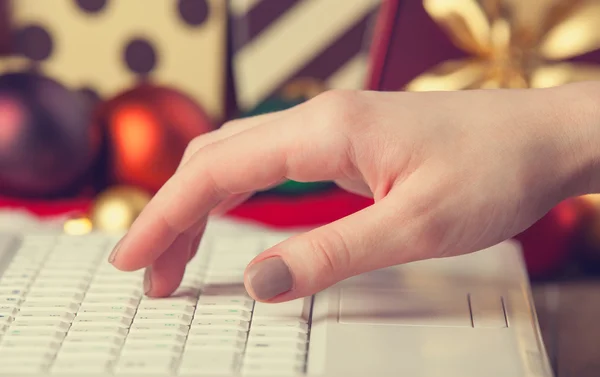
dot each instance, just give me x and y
(4, 28)
(105, 47)
(299, 43)
(455, 45)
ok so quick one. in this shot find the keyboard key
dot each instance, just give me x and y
(207, 313)
(182, 319)
(159, 327)
(209, 362)
(95, 309)
(208, 332)
(142, 336)
(297, 310)
(178, 309)
(273, 369)
(216, 343)
(142, 364)
(29, 323)
(29, 306)
(116, 320)
(103, 329)
(222, 323)
(45, 315)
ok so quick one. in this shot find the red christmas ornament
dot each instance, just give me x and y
(148, 129)
(548, 244)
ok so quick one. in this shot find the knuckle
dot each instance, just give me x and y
(341, 108)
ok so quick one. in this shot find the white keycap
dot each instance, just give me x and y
(222, 323)
(77, 349)
(209, 362)
(204, 343)
(83, 366)
(296, 310)
(141, 364)
(294, 326)
(145, 337)
(88, 339)
(104, 329)
(182, 319)
(151, 348)
(100, 320)
(207, 313)
(159, 327)
(29, 306)
(269, 333)
(165, 302)
(17, 366)
(68, 285)
(275, 347)
(208, 332)
(263, 357)
(57, 324)
(12, 292)
(31, 331)
(52, 296)
(272, 369)
(226, 302)
(94, 310)
(165, 307)
(27, 344)
(111, 300)
(45, 315)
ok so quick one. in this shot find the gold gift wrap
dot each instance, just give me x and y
(514, 43)
(277, 42)
(107, 46)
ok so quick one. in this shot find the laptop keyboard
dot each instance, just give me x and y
(64, 309)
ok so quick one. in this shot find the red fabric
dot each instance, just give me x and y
(272, 210)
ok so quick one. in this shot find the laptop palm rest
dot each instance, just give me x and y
(419, 308)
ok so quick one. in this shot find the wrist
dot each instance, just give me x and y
(575, 116)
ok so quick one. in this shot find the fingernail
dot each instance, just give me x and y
(147, 280)
(113, 255)
(270, 278)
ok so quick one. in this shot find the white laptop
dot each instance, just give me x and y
(65, 311)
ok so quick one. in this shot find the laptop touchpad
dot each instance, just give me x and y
(408, 308)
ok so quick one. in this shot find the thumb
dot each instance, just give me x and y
(308, 263)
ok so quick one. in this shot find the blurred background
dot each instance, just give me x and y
(99, 98)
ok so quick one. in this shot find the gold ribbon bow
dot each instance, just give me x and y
(514, 43)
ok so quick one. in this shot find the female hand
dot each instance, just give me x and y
(450, 173)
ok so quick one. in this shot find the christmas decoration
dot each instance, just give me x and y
(47, 141)
(513, 43)
(108, 46)
(115, 209)
(275, 42)
(148, 128)
(549, 243)
(587, 248)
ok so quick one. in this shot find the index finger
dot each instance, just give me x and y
(248, 161)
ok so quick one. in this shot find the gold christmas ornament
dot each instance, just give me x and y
(513, 43)
(116, 208)
(78, 225)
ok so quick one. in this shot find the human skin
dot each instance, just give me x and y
(450, 173)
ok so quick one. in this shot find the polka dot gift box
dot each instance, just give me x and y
(105, 46)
